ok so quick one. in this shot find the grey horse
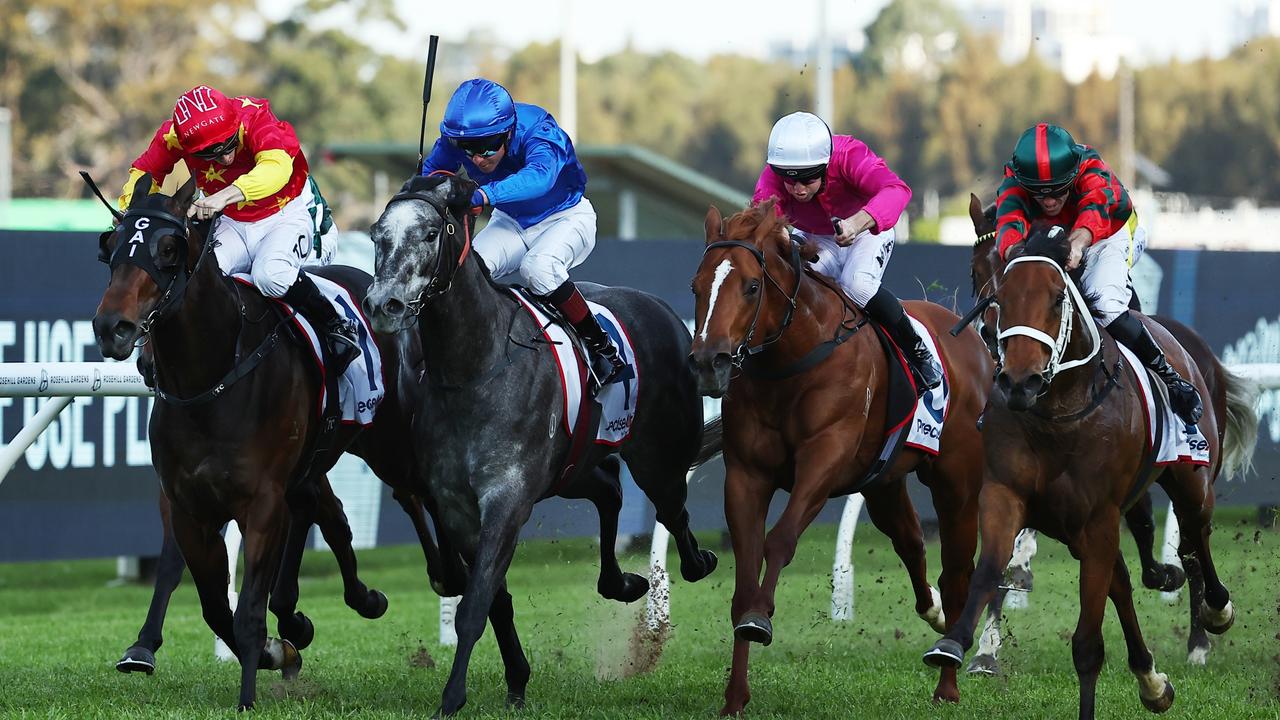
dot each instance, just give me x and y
(489, 420)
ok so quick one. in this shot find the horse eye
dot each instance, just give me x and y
(432, 235)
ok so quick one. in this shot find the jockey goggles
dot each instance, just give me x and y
(1049, 191)
(484, 147)
(217, 150)
(799, 175)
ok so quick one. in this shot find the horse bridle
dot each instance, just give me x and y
(439, 284)
(744, 350)
(1072, 302)
(173, 281)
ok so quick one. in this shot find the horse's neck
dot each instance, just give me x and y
(819, 311)
(195, 346)
(1075, 387)
(464, 329)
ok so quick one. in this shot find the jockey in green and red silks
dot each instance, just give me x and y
(1055, 180)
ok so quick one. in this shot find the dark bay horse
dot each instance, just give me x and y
(1231, 396)
(492, 410)
(1060, 390)
(815, 433)
(230, 446)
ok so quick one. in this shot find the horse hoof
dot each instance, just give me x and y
(292, 665)
(375, 605)
(1167, 578)
(299, 631)
(944, 653)
(1162, 703)
(983, 665)
(629, 588)
(706, 564)
(137, 659)
(515, 701)
(946, 695)
(1217, 621)
(754, 627)
(1198, 656)
(934, 615)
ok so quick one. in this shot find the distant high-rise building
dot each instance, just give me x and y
(1255, 18)
(1076, 38)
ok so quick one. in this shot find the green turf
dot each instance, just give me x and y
(62, 626)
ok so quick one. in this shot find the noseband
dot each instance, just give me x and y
(745, 350)
(1072, 303)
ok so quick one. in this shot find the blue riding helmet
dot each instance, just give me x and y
(478, 108)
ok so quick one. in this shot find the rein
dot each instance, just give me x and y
(439, 283)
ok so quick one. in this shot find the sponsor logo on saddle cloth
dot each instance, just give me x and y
(1178, 441)
(931, 408)
(360, 389)
(617, 400)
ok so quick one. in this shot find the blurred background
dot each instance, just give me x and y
(670, 105)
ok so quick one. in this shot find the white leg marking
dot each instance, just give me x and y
(722, 272)
(934, 615)
(1151, 684)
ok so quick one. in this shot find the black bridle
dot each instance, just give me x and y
(439, 283)
(744, 350)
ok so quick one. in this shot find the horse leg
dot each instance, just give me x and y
(1142, 525)
(515, 664)
(1002, 514)
(605, 492)
(264, 536)
(206, 558)
(292, 625)
(501, 515)
(140, 657)
(1193, 501)
(892, 513)
(1098, 556)
(370, 604)
(662, 475)
(1154, 688)
(746, 503)
(1197, 636)
(985, 660)
(958, 531)
(413, 507)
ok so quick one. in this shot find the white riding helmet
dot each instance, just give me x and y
(799, 144)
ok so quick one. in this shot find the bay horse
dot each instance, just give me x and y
(492, 410)
(1232, 397)
(1062, 385)
(816, 432)
(233, 432)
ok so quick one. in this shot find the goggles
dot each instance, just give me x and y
(482, 146)
(217, 150)
(799, 175)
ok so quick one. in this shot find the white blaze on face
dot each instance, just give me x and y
(722, 272)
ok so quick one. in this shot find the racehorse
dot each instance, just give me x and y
(234, 433)
(492, 411)
(807, 414)
(1062, 386)
(1231, 396)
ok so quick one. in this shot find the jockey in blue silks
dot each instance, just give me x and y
(541, 226)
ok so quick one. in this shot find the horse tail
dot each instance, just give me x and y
(1241, 434)
(712, 440)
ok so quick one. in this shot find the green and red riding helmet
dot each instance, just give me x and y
(1046, 160)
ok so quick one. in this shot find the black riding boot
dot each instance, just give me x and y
(605, 363)
(885, 309)
(338, 332)
(1183, 396)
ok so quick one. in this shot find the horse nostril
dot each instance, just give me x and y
(393, 307)
(1003, 381)
(721, 361)
(124, 331)
(1035, 384)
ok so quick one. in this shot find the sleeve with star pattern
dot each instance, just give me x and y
(274, 145)
(157, 160)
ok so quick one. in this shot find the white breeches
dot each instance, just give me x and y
(271, 249)
(859, 267)
(542, 254)
(1106, 270)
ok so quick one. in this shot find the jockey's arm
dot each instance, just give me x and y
(272, 170)
(1013, 210)
(543, 163)
(443, 156)
(158, 159)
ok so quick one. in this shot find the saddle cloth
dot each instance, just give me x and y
(1172, 440)
(931, 408)
(618, 399)
(361, 387)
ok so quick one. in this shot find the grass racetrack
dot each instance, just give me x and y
(62, 627)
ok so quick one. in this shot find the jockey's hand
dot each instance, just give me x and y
(479, 199)
(1079, 240)
(208, 206)
(851, 228)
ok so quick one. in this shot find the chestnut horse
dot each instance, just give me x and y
(1231, 396)
(1063, 386)
(816, 432)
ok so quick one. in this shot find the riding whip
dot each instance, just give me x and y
(426, 98)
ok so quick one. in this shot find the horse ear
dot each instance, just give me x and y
(460, 192)
(141, 188)
(714, 224)
(975, 213)
(182, 198)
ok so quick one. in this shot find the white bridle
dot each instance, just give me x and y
(1071, 301)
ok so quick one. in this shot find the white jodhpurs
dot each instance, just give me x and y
(541, 254)
(859, 267)
(270, 250)
(1106, 270)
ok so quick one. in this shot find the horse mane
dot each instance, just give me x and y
(424, 183)
(756, 222)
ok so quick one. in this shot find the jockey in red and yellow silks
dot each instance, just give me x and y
(1052, 179)
(250, 167)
